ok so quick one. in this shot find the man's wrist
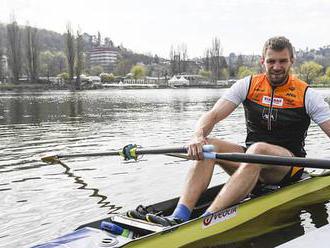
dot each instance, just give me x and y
(199, 136)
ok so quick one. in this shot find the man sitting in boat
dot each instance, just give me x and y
(278, 109)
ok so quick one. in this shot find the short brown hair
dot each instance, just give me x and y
(278, 43)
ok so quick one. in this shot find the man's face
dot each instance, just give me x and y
(277, 65)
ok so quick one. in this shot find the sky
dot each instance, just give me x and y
(153, 26)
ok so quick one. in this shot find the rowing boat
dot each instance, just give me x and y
(198, 228)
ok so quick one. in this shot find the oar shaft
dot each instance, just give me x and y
(128, 152)
(117, 153)
(92, 154)
(141, 151)
(272, 160)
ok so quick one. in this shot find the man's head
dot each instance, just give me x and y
(277, 59)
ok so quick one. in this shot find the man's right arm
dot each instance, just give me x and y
(207, 121)
(206, 124)
(223, 107)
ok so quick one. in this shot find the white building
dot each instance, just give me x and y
(102, 56)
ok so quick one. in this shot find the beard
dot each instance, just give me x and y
(277, 78)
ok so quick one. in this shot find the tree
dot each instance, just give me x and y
(14, 50)
(184, 57)
(70, 54)
(32, 50)
(156, 59)
(206, 60)
(106, 77)
(59, 61)
(99, 39)
(239, 63)
(309, 71)
(244, 71)
(327, 72)
(172, 56)
(64, 76)
(108, 42)
(2, 72)
(225, 73)
(205, 73)
(179, 59)
(96, 70)
(123, 67)
(217, 61)
(138, 71)
(79, 61)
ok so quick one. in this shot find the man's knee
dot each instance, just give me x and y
(250, 168)
(224, 146)
(258, 148)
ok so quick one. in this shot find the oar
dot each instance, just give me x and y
(272, 160)
(128, 152)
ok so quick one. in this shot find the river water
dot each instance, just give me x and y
(40, 201)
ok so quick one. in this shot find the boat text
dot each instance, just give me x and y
(220, 216)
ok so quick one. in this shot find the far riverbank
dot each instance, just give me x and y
(45, 87)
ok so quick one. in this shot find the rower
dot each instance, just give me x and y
(278, 109)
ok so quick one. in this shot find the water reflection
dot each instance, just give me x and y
(95, 192)
(75, 105)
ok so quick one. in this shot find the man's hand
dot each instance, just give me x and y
(195, 148)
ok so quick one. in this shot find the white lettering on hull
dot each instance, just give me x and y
(219, 216)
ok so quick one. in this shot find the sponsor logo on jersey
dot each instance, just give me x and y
(265, 114)
(276, 101)
(291, 94)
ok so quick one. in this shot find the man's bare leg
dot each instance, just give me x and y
(246, 176)
(200, 174)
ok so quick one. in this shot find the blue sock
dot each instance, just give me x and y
(181, 212)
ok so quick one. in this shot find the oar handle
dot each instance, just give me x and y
(209, 155)
(208, 148)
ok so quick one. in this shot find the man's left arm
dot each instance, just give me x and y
(325, 126)
(318, 109)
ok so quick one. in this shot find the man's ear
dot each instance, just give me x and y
(261, 61)
(292, 60)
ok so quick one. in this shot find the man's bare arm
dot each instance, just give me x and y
(325, 126)
(206, 123)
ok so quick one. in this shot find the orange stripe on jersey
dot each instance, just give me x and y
(290, 95)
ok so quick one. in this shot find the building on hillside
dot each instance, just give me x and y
(102, 56)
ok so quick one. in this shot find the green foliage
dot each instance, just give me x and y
(323, 80)
(327, 72)
(123, 67)
(138, 71)
(244, 71)
(205, 73)
(95, 70)
(309, 71)
(64, 76)
(52, 63)
(107, 77)
(225, 73)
